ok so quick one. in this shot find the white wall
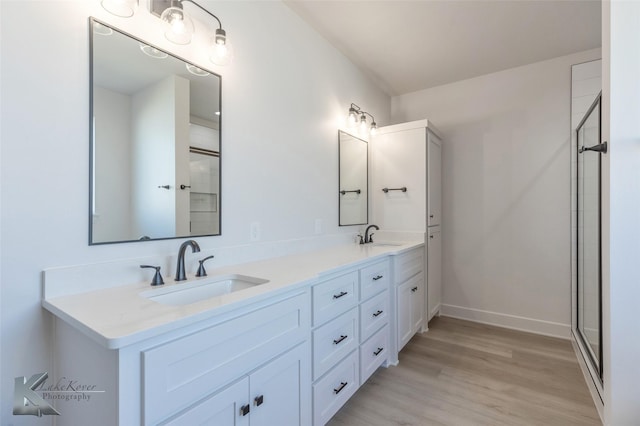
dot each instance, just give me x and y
(506, 192)
(621, 210)
(281, 99)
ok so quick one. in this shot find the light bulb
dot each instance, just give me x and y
(373, 129)
(352, 116)
(179, 26)
(363, 123)
(221, 51)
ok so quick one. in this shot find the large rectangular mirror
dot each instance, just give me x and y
(353, 180)
(155, 142)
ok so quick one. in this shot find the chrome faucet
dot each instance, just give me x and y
(368, 238)
(180, 274)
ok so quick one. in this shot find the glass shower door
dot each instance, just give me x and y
(589, 311)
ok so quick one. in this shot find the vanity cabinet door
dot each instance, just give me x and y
(275, 391)
(225, 408)
(404, 314)
(410, 313)
(417, 303)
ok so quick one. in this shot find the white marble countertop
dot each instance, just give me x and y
(119, 316)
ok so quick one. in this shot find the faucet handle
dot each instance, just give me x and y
(361, 238)
(157, 277)
(371, 237)
(201, 271)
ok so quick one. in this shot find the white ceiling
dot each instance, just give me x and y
(406, 46)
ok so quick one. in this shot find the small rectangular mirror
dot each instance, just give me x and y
(155, 142)
(353, 191)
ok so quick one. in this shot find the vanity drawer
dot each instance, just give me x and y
(374, 314)
(177, 373)
(335, 296)
(408, 264)
(374, 279)
(333, 341)
(333, 390)
(373, 353)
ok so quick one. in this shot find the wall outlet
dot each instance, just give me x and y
(254, 234)
(319, 226)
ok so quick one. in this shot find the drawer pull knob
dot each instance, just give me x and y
(414, 289)
(342, 385)
(338, 296)
(377, 278)
(375, 314)
(258, 400)
(335, 342)
(244, 410)
(376, 353)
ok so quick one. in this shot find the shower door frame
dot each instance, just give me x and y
(586, 348)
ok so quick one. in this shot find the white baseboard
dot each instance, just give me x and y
(531, 325)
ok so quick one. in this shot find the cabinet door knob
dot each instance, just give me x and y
(244, 410)
(431, 237)
(258, 400)
(342, 385)
(414, 289)
(375, 314)
(431, 216)
(338, 296)
(377, 278)
(376, 353)
(335, 342)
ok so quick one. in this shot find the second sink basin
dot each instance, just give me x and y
(191, 292)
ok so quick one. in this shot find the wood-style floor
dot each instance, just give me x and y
(464, 373)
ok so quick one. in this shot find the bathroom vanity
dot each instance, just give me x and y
(291, 350)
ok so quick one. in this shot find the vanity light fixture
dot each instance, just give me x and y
(180, 28)
(122, 8)
(356, 114)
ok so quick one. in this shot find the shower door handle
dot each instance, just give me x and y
(601, 148)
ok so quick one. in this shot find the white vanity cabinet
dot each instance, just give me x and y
(250, 364)
(406, 160)
(350, 335)
(409, 287)
(292, 355)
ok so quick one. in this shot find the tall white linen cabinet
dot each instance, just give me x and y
(406, 187)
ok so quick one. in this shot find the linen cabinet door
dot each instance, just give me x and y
(434, 271)
(275, 391)
(229, 407)
(434, 184)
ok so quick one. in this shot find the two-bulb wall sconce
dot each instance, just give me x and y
(358, 115)
(178, 24)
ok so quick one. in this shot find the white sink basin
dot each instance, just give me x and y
(195, 291)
